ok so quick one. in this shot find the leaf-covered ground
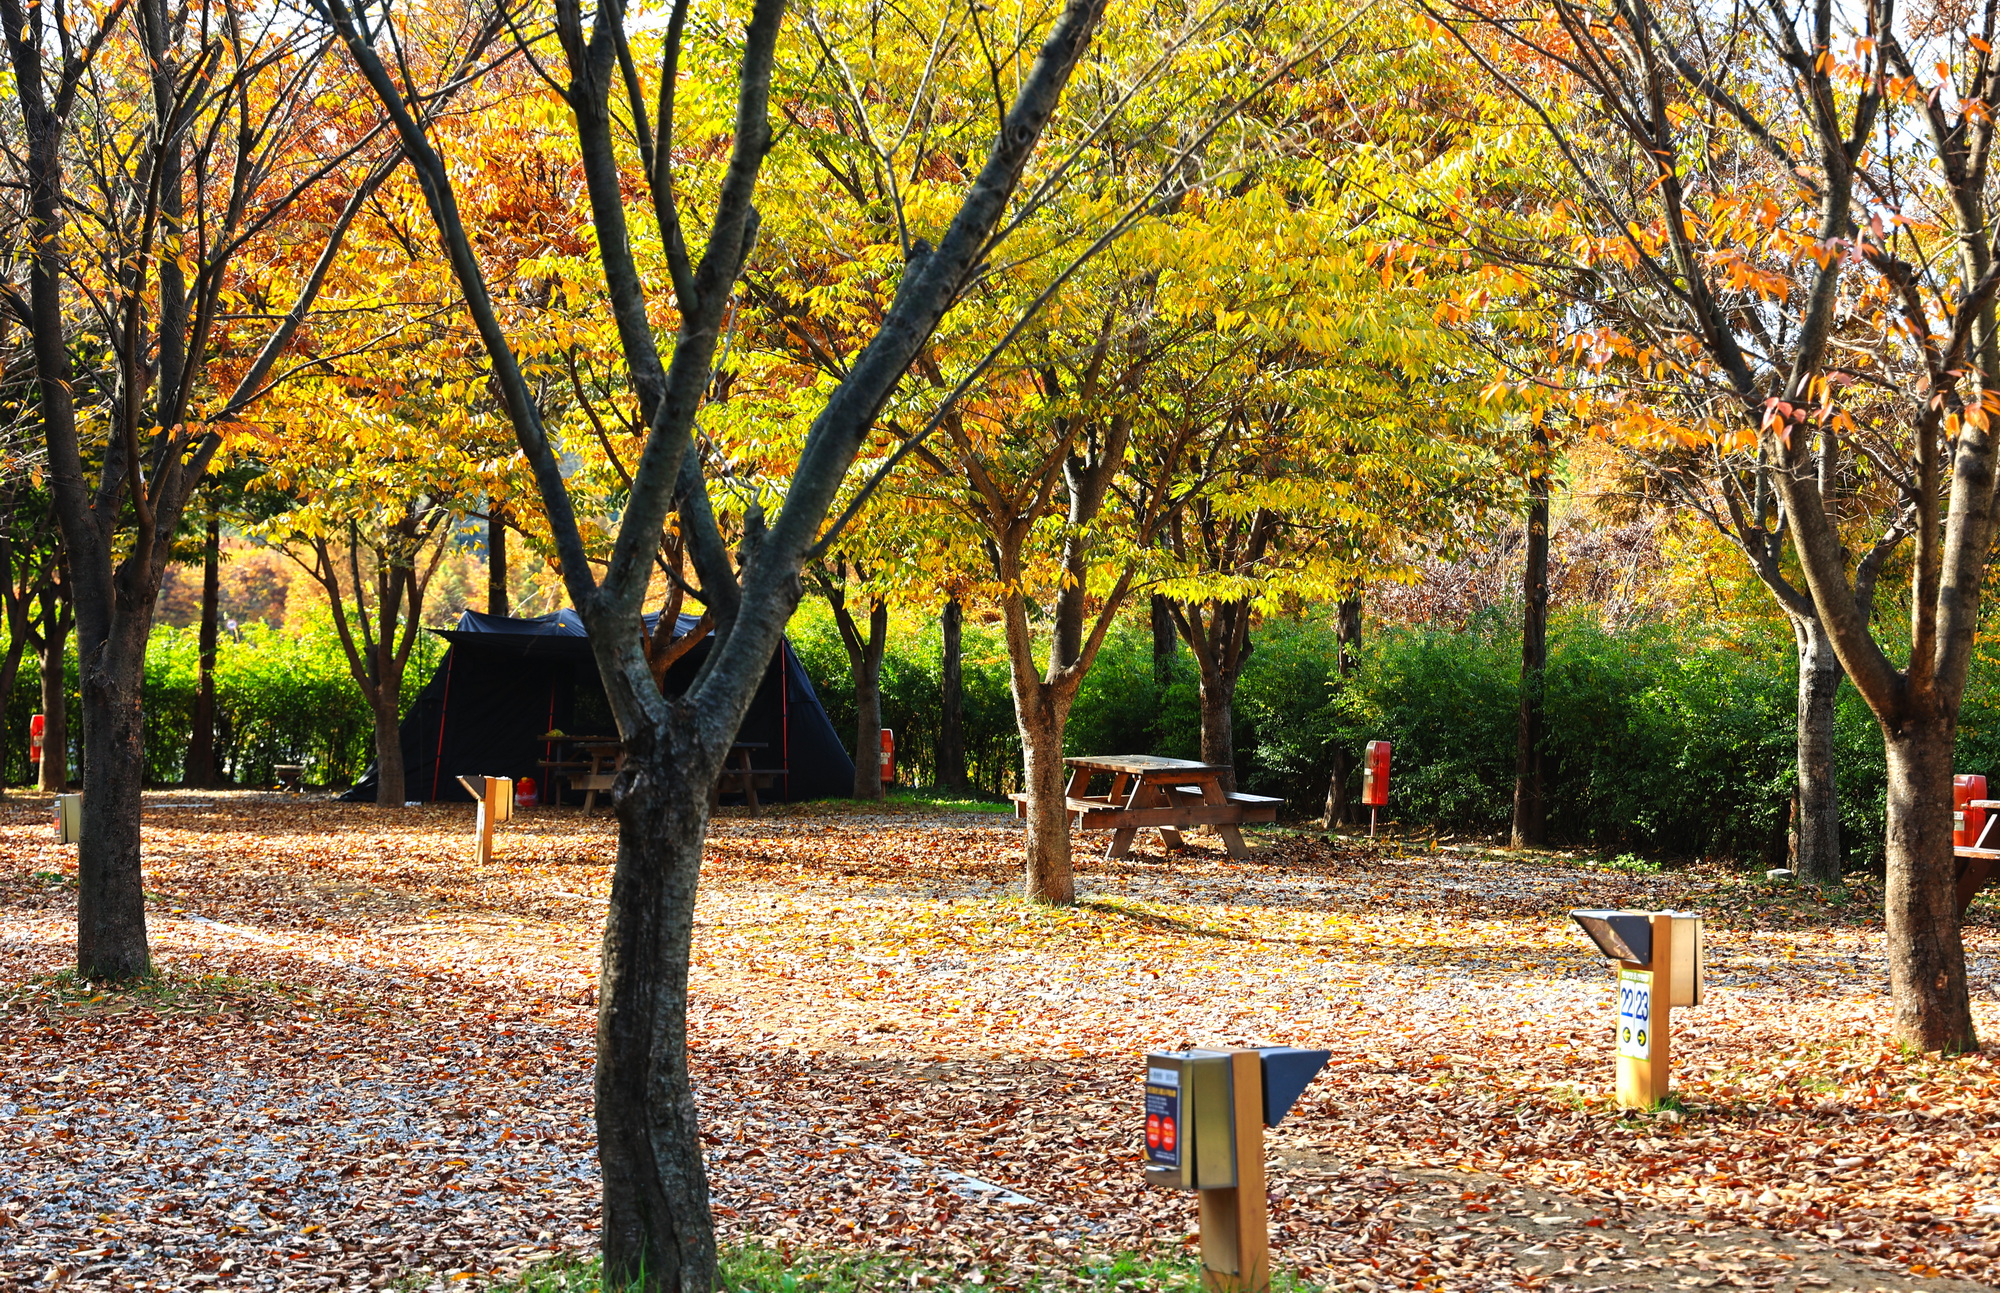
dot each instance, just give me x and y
(367, 1059)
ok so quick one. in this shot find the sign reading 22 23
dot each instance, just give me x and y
(1635, 1013)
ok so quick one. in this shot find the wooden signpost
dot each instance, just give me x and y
(495, 799)
(1206, 1111)
(1658, 956)
(69, 818)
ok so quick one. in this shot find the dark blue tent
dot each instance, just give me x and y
(504, 682)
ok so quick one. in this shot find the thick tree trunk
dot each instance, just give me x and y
(389, 787)
(867, 668)
(1347, 633)
(1050, 875)
(951, 727)
(54, 773)
(1816, 852)
(1920, 908)
(868, 737)
(201, 770)
(1218, 723)
(1530, 814)
(496, 564)
(1165, 640)
(111, 941)
(657, 1220)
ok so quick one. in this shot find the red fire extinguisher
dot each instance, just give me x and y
(888, 757)
(1375, 779)
(1967, 823)
(36, 726)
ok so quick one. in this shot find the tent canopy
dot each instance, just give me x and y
(504, 682)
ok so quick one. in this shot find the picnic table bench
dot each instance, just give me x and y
(739, 778)
(590, 765)
(1977, 862)
(593, 761)
(1148, 792)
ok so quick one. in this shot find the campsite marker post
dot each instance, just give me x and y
(495, 796)
(1659, 959)
(1206, 1111)
(69, 818)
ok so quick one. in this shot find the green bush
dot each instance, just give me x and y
(913, 694)
(1119, 709)
(1659, 736)
(282, 696)
(1662, 737)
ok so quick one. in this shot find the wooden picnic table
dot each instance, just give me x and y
(590, 766)
(1979, 861)
(593, 762)
(1148, 792)
(739, 778)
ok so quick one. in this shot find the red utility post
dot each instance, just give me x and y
(1375, 780)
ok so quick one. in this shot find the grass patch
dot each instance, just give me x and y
(902, 797)
(751, 1268)
(932, 798)
(65, 994)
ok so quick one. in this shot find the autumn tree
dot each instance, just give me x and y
(370, 529)
(1788, 212)
(164, 152)
(1051, 467)
(632, 138)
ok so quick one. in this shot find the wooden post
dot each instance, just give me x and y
(484, 851)
(1235, 1224)
(1644, 1080)
(495, 804)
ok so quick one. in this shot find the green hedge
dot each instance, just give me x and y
(282, 696)
(912, 695)
(1662, 737)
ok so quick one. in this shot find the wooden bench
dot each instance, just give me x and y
(739, 778)
(1152, 793)
(1096, 815)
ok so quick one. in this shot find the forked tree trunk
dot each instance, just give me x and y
(201, 772)
(1530, 810)
(657, 1218)
(951, 726)
(1817, 852)
(54, 774)
(1926, 954)
(111, 940)
(1050, 874)
(658, 1225)
(864, 663)
(1218, 637)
